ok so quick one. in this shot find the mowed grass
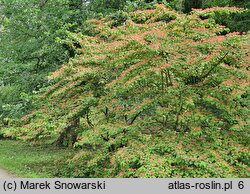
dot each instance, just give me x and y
(28, 161)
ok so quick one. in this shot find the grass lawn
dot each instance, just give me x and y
(27, 161)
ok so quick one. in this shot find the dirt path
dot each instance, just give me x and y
(5, 174)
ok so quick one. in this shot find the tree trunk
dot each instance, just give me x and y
(69, 136)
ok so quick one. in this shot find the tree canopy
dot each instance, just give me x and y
(32, 33)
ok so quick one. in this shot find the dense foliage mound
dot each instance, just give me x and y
(151, 94)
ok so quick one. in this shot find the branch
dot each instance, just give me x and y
(89, 121)
(132, 121)
(207, 74)
(42, 3)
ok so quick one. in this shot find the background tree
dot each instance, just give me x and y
(30, 45)
(189, 4)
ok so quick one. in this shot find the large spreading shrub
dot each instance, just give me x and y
(159, 94)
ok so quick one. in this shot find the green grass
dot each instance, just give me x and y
(28, 161)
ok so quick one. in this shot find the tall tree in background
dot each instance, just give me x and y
(189, 4)
(30, 46)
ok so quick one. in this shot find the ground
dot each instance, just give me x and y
(21, 159)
